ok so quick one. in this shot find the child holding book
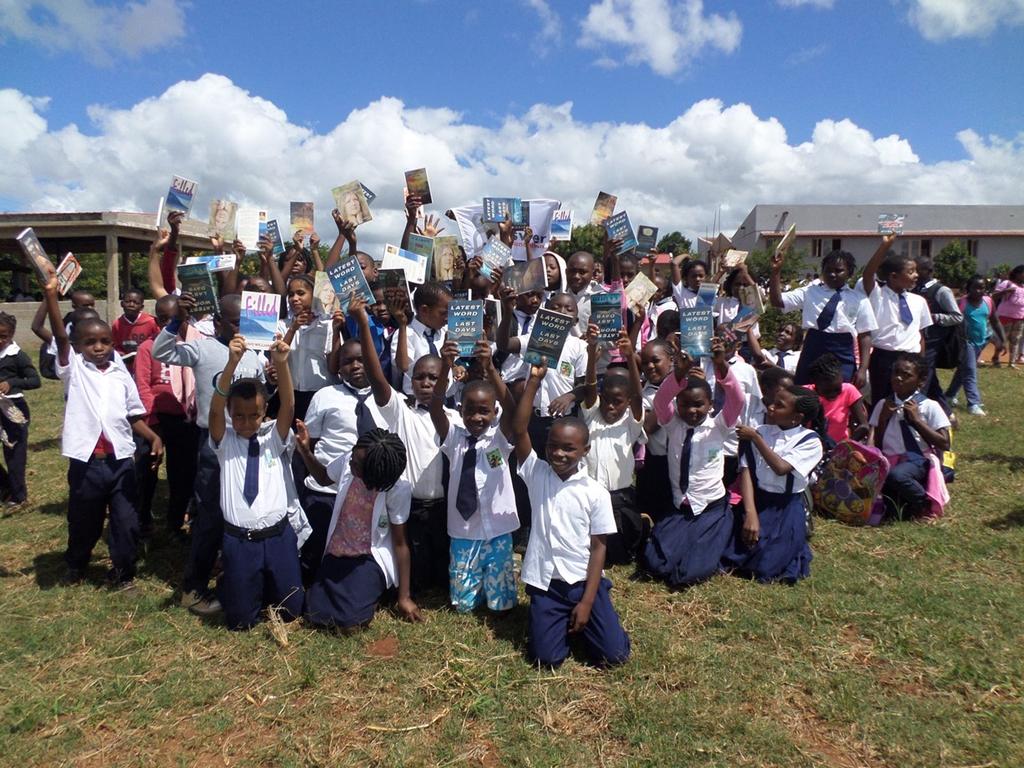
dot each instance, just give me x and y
(481, 501)
(565, 556)
(653, 490)
(425, 334)
(769, 539)
(912, 431)
(686, 282)
(614, 420)
(786, 355)
(133, 327)
(309, 337)
(260, 549)
(17, 374)
(101, 412)
(687, 544)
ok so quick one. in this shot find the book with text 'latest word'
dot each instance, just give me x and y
(325, 302)
(258, 319)
(696, 327)
(465, 324)
(417, 184)
(640, 291)
(396, 290)
(368, 194)
(561, 225)
(35, 256)
(301, 218)
(891, 223)
(347, 278)
(398, 258)
(179, 197)
(787, 240)
(195, 279)
(67, 272)
(247, 226)
(618, 228)
(525, 276)
(498, 210)
(216, 262)
(646, 238)
(222, 219)
(494, 255)
(603, 207)
(547, 337)
(274, 235)
(606, 314)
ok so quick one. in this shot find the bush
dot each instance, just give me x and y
(954, 266)
(771, 321)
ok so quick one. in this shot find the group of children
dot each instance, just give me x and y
(364, 452)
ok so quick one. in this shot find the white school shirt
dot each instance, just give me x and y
(610, 459)
(308, 359)
(657, 443)
(97, 402)
(566, 513)
(793, 445)
(892, 334)
(497, 513)
(416, 343)
(583, 306)
(512, 364)
(753, 406)
(684, 297)
(789, 361)
(707, 460)
(389, 508)
(331, 421)
(413, 425)
(892, 442)
(560, 379)
(271, 502)
(854, 313)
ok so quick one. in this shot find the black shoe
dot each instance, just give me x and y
(72, 577)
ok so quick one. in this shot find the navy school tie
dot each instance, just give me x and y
(429, 335)
(906, 316)
(828, 312)
(684, 462)
(466, 499)
(910, 444)
(251, 488)
(526, 326)
(364, 419)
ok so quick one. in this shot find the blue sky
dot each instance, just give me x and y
(920, 69)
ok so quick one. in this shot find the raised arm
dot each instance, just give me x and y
(219, 401)
(523, 411)
(346, 234)
(285, 390)
(39, 323)
(760, 361)
(449, 354)
(269, 263)
(60, 334)
(156, 275)
(734, 399)
(304, 446)
(775, 280)
(875, 262)
(232, 277)
(412, 206)
(664, 398)
(636, 396)
(382, 391)
(504, 340)
(314, 251)
(590, 380)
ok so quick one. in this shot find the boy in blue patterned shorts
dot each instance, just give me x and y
(481, 503)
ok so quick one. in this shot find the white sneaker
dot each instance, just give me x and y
(976, 410)
(954, 402)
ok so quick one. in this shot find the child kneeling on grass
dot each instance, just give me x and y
(572, 519)
(260, 549)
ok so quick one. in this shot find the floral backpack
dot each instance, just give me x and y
(849, 482)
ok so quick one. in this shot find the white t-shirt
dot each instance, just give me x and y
(566, 513)
(610, 460)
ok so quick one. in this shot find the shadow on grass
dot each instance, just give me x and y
(50, 568)
(44, 445)
(1012, 463)
(1012, 519)
(59, 508)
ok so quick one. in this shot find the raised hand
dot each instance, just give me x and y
(432, 226)
(356, 306)
(236, 348)
(279, 351)
(314, 241)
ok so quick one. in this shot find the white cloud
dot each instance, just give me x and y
(802, 3)
(102, 32)
(550, 30)
(664, 34)
(939, 20)
(672, 176)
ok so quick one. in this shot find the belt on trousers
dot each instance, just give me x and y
(249, 534)
(429, 503)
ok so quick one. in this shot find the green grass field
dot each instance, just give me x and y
(904, 648)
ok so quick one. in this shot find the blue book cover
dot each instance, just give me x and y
(498, 210)
(618, 228)
(561, 225)
(547, 337)
(347, 277)
(606, 314)
(370, 196)
(495, 254)
(274, 234)
(706, 294)
(197, 280)
(696, 327)
(258, 319)
(465, 324)
(646, 238)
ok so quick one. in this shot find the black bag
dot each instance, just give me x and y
(949, 341)
(47, 363)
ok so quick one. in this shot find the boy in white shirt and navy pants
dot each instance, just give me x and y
(102, 411)
(260, 549)
(562, 569)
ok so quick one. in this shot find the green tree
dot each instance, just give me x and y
(954, 265)
(674, 243)
(589, 237)
(793, 268)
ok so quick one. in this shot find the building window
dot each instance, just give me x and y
(972, 248)
(926, 249)
(837, 244)
(816, 248)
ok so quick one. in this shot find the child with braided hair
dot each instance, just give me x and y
(776, 460)
(844, 409)
(367, 551)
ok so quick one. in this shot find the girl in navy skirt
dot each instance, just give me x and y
(653, 492)
(686, 546)
(776, 460)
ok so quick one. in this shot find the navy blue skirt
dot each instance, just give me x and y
(782, 552)
(685, 548)
(346, 592)
(816, 344)
(653, 490)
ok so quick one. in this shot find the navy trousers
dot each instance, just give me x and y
(880, 373)
(208, 525)
(606, 641)
(429, 545)
(904, 489)
(12, 479)
(258, 574)
(624, 544)
(319, 507)
(95, 486)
